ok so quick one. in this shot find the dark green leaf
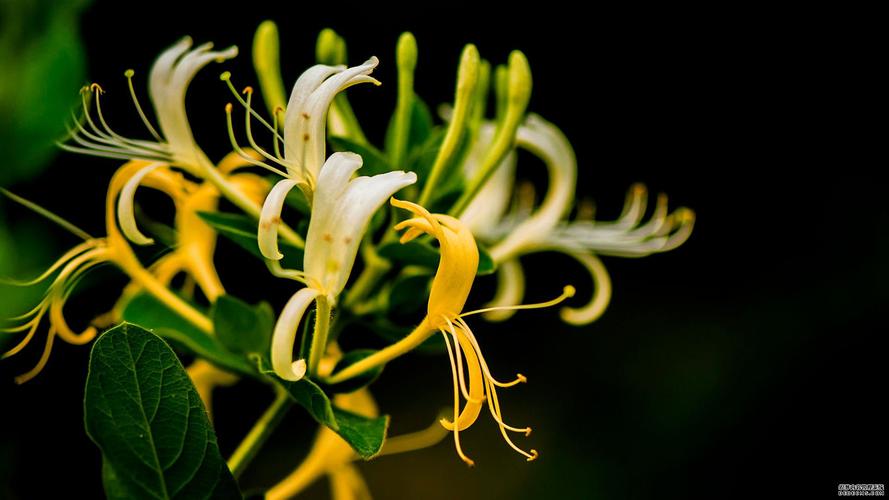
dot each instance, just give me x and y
(146, 311)
(297, 199)
(411, 253)
(142, 411)
(43, 62)
(486, 264)
(364, 434)
(360, 381)
(241, 327)
(409, 293)
(242, 230)
(374, 160)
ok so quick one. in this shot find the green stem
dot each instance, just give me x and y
(260, 433)
(319, 337)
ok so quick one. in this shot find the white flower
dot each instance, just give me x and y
(305, 119)
(546, 229)
(341, 210)
(175, 146)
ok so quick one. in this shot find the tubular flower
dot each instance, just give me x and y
(76, 262)
(341, 210)
(450, 289)
(304, 138)
(168, 82)
(545, 228)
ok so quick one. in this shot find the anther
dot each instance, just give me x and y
(95, 87)
(228, 108)
(247, 90)
(533, 456)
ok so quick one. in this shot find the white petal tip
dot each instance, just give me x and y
(297, 371)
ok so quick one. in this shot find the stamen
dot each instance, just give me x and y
(460, 375)
(241, 152)
(129, 74)
(35, 323)
(275, 135)
(76, 231)
(70, 254)
(21, 379)
(567, 293)
(226, 77)
(249, 92)
(456, 410)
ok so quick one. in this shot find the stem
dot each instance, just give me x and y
(260, 432)
(319, 337)
(422, 332)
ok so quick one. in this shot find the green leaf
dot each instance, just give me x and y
(364, 434)
(241, 327)
(416, 253)
(146, 417)
(360, 381)
(411, 253)
(486, 264)
(375, 162)
(43, 62)
(147, 312)
(409, 292)
(242, 230)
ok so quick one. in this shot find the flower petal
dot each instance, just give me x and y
(601, 294)
(270, 219)
(341, 210)
(125, 212)
(284, 336)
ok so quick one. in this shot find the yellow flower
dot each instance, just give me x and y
(450, 289)
(193, 254)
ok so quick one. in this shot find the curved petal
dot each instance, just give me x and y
(488, 207)
(306, 119)
(284, 336)
(126, 214)
(341, 211)
(546, 141)
(601, 293)
(270, 219)
(168, 83)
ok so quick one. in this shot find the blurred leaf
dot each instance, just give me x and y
(420, 254)
(241, 327)
(358, 382)
(297, 200)
(145, 311)
(364, 434)
(421, 158)
(409, 293)
(411, 253)
(242, 230)
(486, 264)
(43, 63)
(374, 160)
(142, 411)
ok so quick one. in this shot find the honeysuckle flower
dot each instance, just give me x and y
(168, 82)
(341, 210)
(450, 289)
(545, 228)
(194, 255)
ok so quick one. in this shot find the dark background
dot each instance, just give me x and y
(751, 361)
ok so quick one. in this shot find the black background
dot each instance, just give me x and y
(751, 361)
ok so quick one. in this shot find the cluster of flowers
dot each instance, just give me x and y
(471, 180)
